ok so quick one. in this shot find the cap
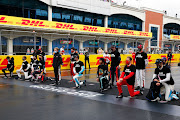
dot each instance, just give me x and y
(76, 56)
(158, 61)
(140, 46)
(164, 59)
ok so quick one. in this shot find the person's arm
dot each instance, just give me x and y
(146, 59)
(98, 72)
(122, 75)
(168, 76)
(74, 70)
(82, 69)
(129, 76)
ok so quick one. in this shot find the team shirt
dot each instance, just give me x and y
(86, 55)
(25, 65)
(78, 66)
(35, 65)
(140, 60)
(128, 70)
(162, 74)
(41, 65)
(10, 64)
(72, 56)
(102, 70)
(115, 58)
(62, 51)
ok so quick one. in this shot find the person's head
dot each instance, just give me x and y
(8, 58)
(63, 46)
(56, 50)
(72, 49)
(106, 52)
(169, 50)
(128, 60)
(76, 57)
(101, 61)
(113, 48)
(35, 51)
(40, 57)
(140, 48)
(35, 57)
(159, 63)
(164, 60)
(24, 58)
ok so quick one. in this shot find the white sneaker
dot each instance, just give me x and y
(157, 99)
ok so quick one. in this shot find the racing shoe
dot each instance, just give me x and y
(84, 82)
(77, 87)
(156, 99)
(5, 77)
(137, 88)
(120, 96)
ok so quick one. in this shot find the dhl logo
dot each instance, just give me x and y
(93, 29)
(149, 58)
(3, 63)
(129, 32)
(64, 26)
(2, 20)
(144, 34)
(111, 31)
(49, 62)
(32, 22)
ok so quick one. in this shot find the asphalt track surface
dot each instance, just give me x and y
(22, 100)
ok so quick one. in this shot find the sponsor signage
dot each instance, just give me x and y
(65, 42)
(26, 22)
(175, 37)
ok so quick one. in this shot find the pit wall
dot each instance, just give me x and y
(94, 60)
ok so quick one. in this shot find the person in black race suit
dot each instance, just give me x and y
(102, 74)
(25, 68)
(162, 75)
(87, 58)
(57, 61)
(115, 61)
(127, 78)
(10, 67)
(169, 55)
(141, 63)
(78, 70)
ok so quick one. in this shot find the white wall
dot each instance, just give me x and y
(168, 19)
(93, 6)
(116, 9)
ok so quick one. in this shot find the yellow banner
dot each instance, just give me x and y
(175, 37)
(18, 21)
(94, 60)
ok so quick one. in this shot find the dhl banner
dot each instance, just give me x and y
(94, 60)
(175, 37)
(18, 21)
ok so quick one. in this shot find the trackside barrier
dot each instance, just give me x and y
(94, 60)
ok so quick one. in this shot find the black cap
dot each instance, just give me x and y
(158, 61)
(76, 56)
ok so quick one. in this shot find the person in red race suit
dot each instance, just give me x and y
(127, 78)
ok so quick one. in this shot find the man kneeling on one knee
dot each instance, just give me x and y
(127, 78)
(162, 75)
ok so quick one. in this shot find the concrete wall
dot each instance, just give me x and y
(93, 6)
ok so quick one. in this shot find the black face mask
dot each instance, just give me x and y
(139, 49)
(40, 59)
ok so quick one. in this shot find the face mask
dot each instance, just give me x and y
(40, 59)
(55, 51)
(139, 49)
(127, 62)
(23, 59)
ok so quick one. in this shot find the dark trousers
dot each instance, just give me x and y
(113, 71)
(56, 70)
(35, 72)
(169, 60)
(4, 71)
(87, 59)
